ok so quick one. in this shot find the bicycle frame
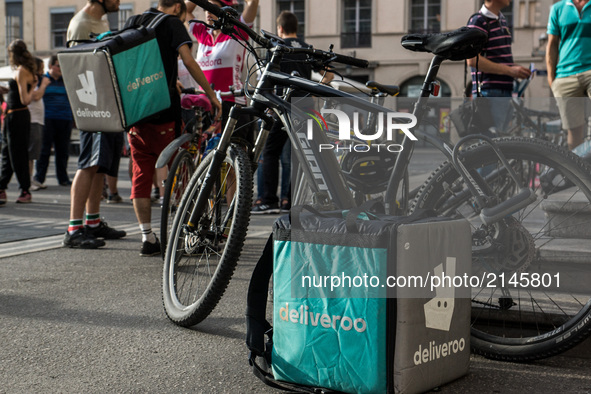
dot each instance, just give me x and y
(323, 172)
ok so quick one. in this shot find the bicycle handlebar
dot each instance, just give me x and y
(328, 56)
(225, 17)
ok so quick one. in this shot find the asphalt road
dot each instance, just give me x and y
(92, 321)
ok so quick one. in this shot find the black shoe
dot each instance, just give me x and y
(81, 239)
(65, 183)
(150, 249)
(265, 208)
(285, 205)
(104, 231)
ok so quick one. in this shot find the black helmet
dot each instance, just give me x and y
(368, 172)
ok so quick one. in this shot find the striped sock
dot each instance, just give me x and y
(75, 224)
(93, 219)
(147, 234)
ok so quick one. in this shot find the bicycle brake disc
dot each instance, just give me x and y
(508, 247)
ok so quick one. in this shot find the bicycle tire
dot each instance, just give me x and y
(199, 265)
(179, 176)
(521, 325)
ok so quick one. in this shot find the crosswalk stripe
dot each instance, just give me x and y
(16, 248)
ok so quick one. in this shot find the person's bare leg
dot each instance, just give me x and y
(80, 191)
(575, 137)
(93, 203)
(112, 184)
(143, 210)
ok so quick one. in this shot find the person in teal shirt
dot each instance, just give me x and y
(568, 61)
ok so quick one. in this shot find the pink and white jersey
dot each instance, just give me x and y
(221, 60)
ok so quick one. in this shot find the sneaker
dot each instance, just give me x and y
(81, 239)
(285, 205)
(104, 231)
(150, 249)
(66, 183)
(2, 197)
(161, 200)
(114, 199)
(24, 198)
(265, 208)
(36, 185)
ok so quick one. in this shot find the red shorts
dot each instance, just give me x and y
(146, 142)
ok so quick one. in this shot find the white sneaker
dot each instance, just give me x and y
(37, 185)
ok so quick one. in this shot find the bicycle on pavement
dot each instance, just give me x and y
(187, 150)
(503, 204)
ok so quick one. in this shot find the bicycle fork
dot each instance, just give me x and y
(219, 155)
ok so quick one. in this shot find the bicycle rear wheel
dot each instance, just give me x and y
(201, 259)
(179, 175)
(515, 321)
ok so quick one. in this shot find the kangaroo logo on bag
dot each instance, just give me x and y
(439, 310)
(87, 94)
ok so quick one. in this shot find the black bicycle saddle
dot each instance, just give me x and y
(460, 44)
(391, 90)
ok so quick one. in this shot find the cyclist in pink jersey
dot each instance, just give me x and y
(220, 57)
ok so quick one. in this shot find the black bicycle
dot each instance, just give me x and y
(497, 185)
(187, 150)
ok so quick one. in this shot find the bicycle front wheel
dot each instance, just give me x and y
(179, 175)
(539, 303)
(200, 258)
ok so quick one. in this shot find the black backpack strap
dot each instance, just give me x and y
(256, 301)
(140, 20)
(133, 21)
(157, 20)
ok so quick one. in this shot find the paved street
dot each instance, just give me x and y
(93, 321)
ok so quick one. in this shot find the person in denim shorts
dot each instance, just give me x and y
(100, 153)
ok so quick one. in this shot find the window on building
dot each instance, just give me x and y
(60, 19)
(356, 24)
(425, 16)
(117, 19)
(14, 21)
(297, 7)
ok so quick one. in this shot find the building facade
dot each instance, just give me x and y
(369, 29)
(43, 23)
(372, 30)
